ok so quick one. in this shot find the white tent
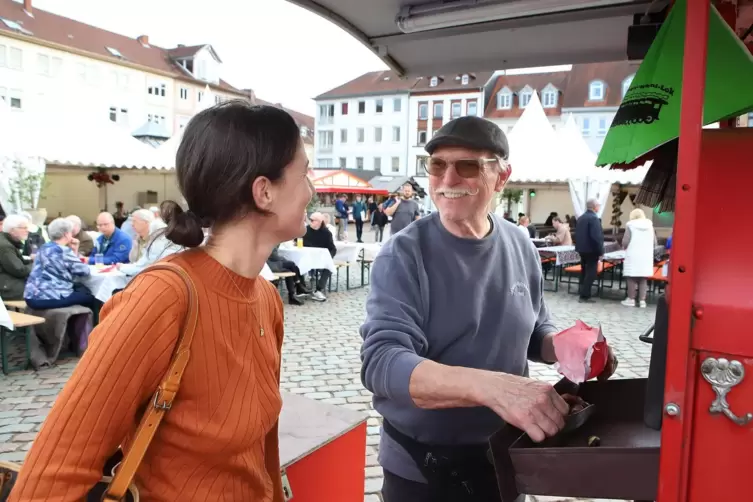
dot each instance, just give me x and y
(533, 155)
(206, 101)
(167, 151)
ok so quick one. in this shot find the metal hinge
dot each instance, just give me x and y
(287, 491)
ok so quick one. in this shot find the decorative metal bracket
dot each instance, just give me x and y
(723, 375)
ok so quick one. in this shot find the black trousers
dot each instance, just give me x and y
(397, 489)
(359, 230)
(287, 266)
(589, 270)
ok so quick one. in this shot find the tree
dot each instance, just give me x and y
(26, 186)
(511, 196)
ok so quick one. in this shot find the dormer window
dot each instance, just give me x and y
(549, 96)
(504, 99)
(464, 80)
(114, 52)
(524, 96)
(15, 26)
(596, 91)
(433, 82)
(626, 85)
(304, 131)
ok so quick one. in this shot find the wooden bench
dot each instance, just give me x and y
(22, 324)
(18, 305)
(281, 275)
(338, 265)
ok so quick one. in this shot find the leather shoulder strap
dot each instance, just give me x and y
(164, 395)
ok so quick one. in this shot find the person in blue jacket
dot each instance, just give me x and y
(114, 244)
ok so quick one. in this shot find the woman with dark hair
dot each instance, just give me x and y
(242, 170)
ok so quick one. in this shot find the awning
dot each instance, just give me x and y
(436, 38)
(344, 181)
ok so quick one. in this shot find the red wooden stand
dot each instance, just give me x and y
(322, 450)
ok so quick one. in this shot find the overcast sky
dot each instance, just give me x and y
(282, 52)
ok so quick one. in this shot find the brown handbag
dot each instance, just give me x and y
(119, 487)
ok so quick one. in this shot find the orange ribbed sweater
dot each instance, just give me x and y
(219, 441)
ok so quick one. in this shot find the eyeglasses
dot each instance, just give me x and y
(466, 168)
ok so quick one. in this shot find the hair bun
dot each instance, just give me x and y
(183, 227)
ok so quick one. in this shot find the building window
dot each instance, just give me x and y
(464, 80)
(343, 108)
(379, 105)
(603, 126)
(395, 164)
(157, 119)
(504, 100)
(396, 134)
(456, 109)
(325, 140)
(423, 111)
(596, 91)
(120, 115)
(13, 98)
(359, 162)
(397, 105)
(360, 135)
(15, 59)
(437, 111)
(183, 93)
(343, 162)
(433, 82)
(324, 163)
(362, 107)
(157, 90)
(43, 64)
(378, 134)
(472, 108)
(326, 113)
(549, 97)
(626, 84)
(343, 135)
(421, 137)
(421, 166)
(199, 96)
(585, 126)
(217, 100)
(377, 163)
(524, 97)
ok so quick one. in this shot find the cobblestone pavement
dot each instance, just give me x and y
(321, 361)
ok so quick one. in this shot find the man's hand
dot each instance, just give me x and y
(74, 245)
(530, 405)
(610, 368)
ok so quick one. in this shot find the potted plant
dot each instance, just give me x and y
(26, 191)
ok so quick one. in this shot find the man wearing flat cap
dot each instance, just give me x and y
(455, 312)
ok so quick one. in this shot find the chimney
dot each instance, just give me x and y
(27, 7)
(142, 39)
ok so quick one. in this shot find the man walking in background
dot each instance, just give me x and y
(404, 210)
(341, 213)
(589, 243)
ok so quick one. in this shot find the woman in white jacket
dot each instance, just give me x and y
(639, 242)
(157, 248)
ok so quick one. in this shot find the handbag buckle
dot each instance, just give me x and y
(161, 405)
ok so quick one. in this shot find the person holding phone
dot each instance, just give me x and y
(404, 210)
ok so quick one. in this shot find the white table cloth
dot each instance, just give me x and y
(102, 284)
(350, 251)
(308, 259)
(4, 317)
(267, 273)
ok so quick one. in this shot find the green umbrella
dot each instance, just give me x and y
(649, 115)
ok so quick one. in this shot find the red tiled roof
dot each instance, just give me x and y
(537, 82)
(71, 34)
(452, 83)
(183, 51)
(301, 119)
(372, 83)
(612, 74)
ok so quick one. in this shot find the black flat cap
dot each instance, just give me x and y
(471, 132)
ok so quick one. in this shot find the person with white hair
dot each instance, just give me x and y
(589, 243)
(318, 236)
(85, 241)
(36, 237)
(157, 247)
(155, 212)
(13, 268)
(639, 242)
(51, 284)
(140, 219)
(455, 311)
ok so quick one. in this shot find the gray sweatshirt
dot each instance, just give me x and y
(476, 303)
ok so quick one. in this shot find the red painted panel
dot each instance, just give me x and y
(333, 473)
(723, 297)
(721, 451)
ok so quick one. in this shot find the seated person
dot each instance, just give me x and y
(85, 241)
(157, 247)
(35, 239)
(113, 244)
(295, 284)
(562, 236)
(51, 282)
(317, 236)
(327, 219)
(140, 219)
(523, 223)
(13, 268)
